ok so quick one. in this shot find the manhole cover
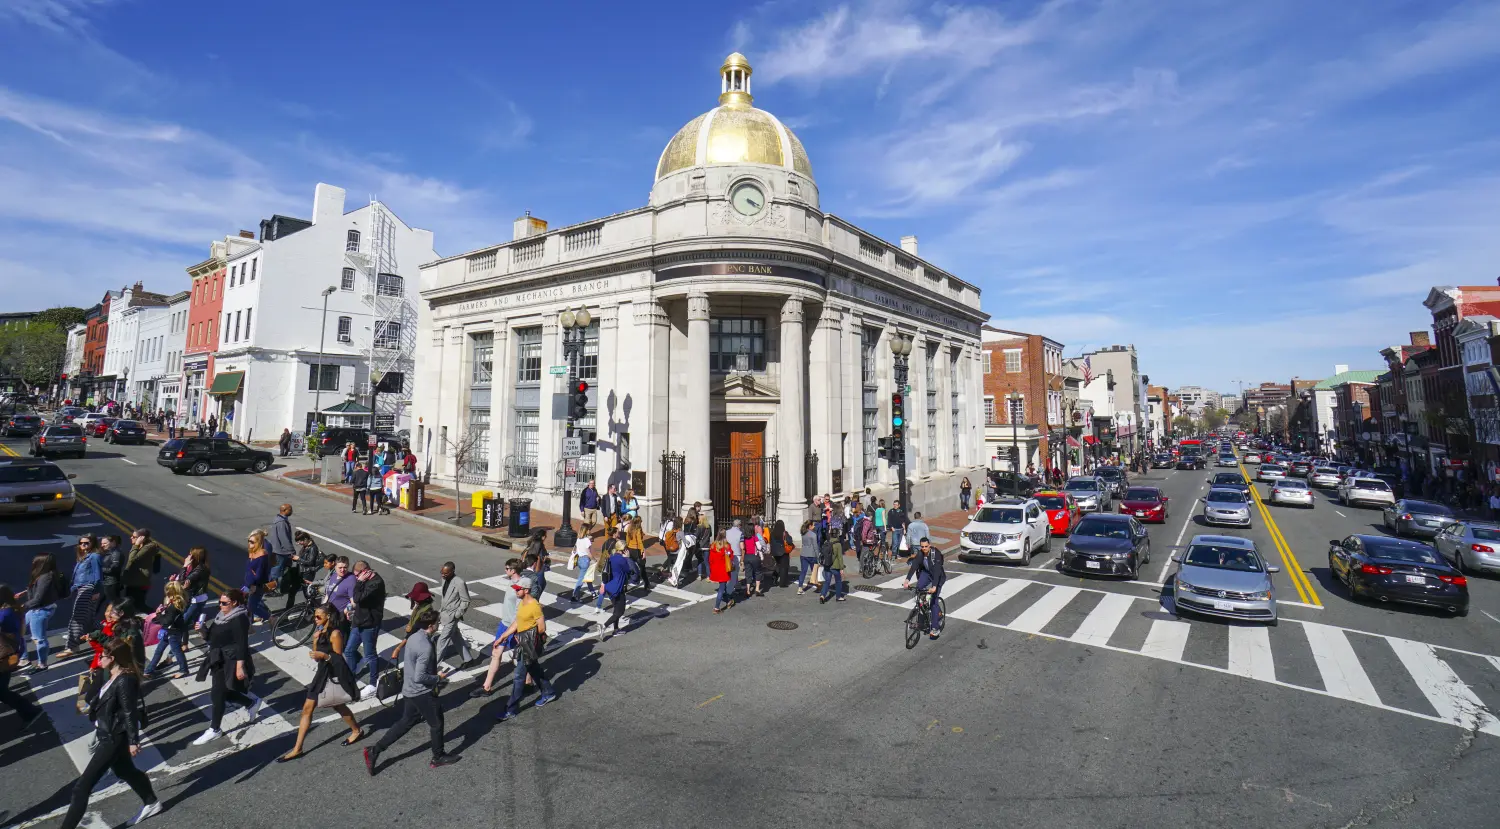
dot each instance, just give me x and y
(781, 624)
(863, 588)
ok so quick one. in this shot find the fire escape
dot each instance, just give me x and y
(393, 339)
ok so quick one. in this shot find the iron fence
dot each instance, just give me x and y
(745, 487)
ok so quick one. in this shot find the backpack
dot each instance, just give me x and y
(62, 584)
(670, 542)
(867, 533)
(603, 571)
(825, 555)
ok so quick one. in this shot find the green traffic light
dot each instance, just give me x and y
(895, 421)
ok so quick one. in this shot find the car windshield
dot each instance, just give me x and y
(1142, 495)
(1228, 478)
(1486, 534)
(126, 424)
(1325, 470)
(1371, 483)
(1110, 474)
(1229, 496)
(1222, 557)
(998, 516)
(1273, 467)
(1417, 553)
(1102, 528)
(1427, 508)
(1051, 501)
(30, 474)
(1081, 486)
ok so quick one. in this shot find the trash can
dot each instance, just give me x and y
(476, 501)
(520, 517)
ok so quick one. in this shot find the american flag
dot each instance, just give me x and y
(1088, 370)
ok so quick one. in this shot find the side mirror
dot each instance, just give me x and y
(1334, 542)
(1177, 558)
(72, 476)
(1271, 568)
(1165, 499)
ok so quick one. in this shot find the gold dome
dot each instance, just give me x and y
(735, 132)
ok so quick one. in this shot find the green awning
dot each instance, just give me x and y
(349, 409)
(227, 382)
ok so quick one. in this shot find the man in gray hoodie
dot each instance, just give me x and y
(419, 685)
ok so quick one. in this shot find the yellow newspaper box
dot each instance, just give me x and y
(477, 502)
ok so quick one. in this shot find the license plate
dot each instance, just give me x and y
(1140, 514)
(1092, 565)
(1416, 579)
(1223, 606)
(34, 508)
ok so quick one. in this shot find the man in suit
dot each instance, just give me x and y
(612, 508)
(455, 603)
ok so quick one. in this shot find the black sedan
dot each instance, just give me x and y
(1420, 518)
(1162, 460)
(1106, 545)
(125, 431)
(198, 455)
(1189, 460)
(22, 425)
(1397, 570)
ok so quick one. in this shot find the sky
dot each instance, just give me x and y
(1245, 191)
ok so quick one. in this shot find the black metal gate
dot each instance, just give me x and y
(671, 484)
(745, 488)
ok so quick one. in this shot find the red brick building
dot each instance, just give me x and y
(1023, 393)
(1449, 407)
(204, 306)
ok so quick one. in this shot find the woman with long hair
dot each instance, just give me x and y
(257, 573)
(194, 578)
(41, 603)
(635, 547)
(333, 685)
(87, 571)
(228, 662)
(720, 567)
(965, 490)
(172, 618)
(10, 635)
(115, 712)
(781, 552)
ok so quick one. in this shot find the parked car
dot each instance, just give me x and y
(1005, 531)
(1323, 477)
(1397, 570)
(1410, 516)
(1223, 575)
(1061, 510)
(34, 487)
(1354, 491)
(334, 438)
(1012, 484)
(1090, 493)
(199, 455)
(1225, 506)
(22, 425)
(1291, 491)
(1472, 546)
(1146, 503)
(125, 431)
(1106, 545)
(64, 439)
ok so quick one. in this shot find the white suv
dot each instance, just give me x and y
(1365, 491)
(1006, 530)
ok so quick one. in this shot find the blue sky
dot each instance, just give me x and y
(1246, 191)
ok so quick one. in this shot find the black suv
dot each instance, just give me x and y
(125, 431)
(199, 455)
(59, 440)
(1012, 485)
(22, 425)
(335, 437)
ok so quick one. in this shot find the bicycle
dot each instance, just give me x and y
(919, 620)
(293, 627)
(869, 562)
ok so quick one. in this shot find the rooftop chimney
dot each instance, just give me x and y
(528, 226)
(137, 288)
(1340, 369)
(909, 244)
(247, 234)
(1421, 338)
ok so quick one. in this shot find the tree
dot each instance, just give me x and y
(1182, 425)
(33, 353)
(469, 447)
(1214, 418)
(1277, 419)
(63, 316)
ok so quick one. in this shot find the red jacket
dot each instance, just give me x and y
(720, 559)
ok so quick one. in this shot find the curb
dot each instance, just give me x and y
(403, 514)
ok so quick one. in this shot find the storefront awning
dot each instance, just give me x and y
(227, 382)
(349, 409)
(1073, 443)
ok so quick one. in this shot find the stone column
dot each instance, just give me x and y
(695, 444)
(791, 416)
(502, 387)
(825, 396)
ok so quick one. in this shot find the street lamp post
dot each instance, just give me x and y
(1015, 432)
(574, 326)
(318, 381)
(900, 350)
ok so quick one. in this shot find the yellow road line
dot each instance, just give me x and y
(818, 645)
(1289, 561)
(714, 698)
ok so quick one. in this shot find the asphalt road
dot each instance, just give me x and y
(1050, 700)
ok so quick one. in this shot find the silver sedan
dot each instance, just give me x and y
(1472, 546)
(1226, 507)
(1291, 491)
(1323, 476)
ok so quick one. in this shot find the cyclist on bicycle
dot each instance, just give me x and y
(927, 569)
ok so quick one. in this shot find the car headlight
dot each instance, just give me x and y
(1182, 585)
(1264, 594)
(1069, 550)
(964, 535)
(1120, 556)
(1009, 536)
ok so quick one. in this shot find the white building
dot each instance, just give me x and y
(281, 356)
(1196, 400)
(1324, 402)
(739, 349)
(1230, 403)
(73, 356)
(134, 309)
(169, 382)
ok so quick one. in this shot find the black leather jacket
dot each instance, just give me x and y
(114, 710)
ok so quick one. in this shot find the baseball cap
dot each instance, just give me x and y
(523, 583)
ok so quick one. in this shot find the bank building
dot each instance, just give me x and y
(736, 341)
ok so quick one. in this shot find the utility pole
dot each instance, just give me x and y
(900, 350)
(574, 326)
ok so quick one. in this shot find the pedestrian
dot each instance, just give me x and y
(613, 542)
(588, 508)
(332, 686)
(11, 648)
(582, 561)
(915, 532)
(611, 508)
(351, 459)
(283, 543)
(257, 575)
(111, 568)
(895, 519)
(630, 508)
(340, 591)
(171, 618)
(721, 572)
(409, 462)
(194, 577)
(376, 483)
(85, 583)
(1495, 505)
(419, 685)
(809, 557)
(685, 540)
(365, 612)
(116, 713)
(455, 601)
(781, 553)
(882, 536)
(360, 480)
(501, 647)
(831, 558)
(613, 573)
(530, 632)
(213, 424)
(228, 663)
(41, 602)
(285, 441)
(754, 545)
(143, 559)
(966, 489)
(635, 544)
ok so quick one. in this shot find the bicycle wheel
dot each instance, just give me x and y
(867, 566)
(942, 609)
(913, 628)
(291, 628)
(885, 564)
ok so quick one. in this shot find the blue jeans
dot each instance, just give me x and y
(36, 622)
(834, 577)
(896, 536)
(255, 601)
(195, 610)
(724, 594)
(348, 471)
(808, 563)
(702, 564)
(583, 569)
(363, 636)
(171, 640)
(933, 617)
(525, 666)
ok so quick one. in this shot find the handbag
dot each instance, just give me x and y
(151, 631)
(588, 576)
(389, 684)
(334, 694)
(10, 657)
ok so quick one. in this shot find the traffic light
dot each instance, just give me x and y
(578, 401)
(63, 377)
(883, 448)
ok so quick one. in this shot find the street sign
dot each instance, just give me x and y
(572, 447)
(372, 440)
(558, 371)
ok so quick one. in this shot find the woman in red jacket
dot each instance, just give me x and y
(721, 572)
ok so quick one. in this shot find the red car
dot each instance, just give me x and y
(98, 427)
(1062, 511)
(1146, 503)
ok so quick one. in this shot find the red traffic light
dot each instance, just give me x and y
(63, 377)
(582, 387)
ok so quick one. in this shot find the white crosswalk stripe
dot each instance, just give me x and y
(1449, 696)
(1101, 622)
(1250, 653)
(1342, 674)
(1167, 639)
(974, 610)
(1042, 611)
